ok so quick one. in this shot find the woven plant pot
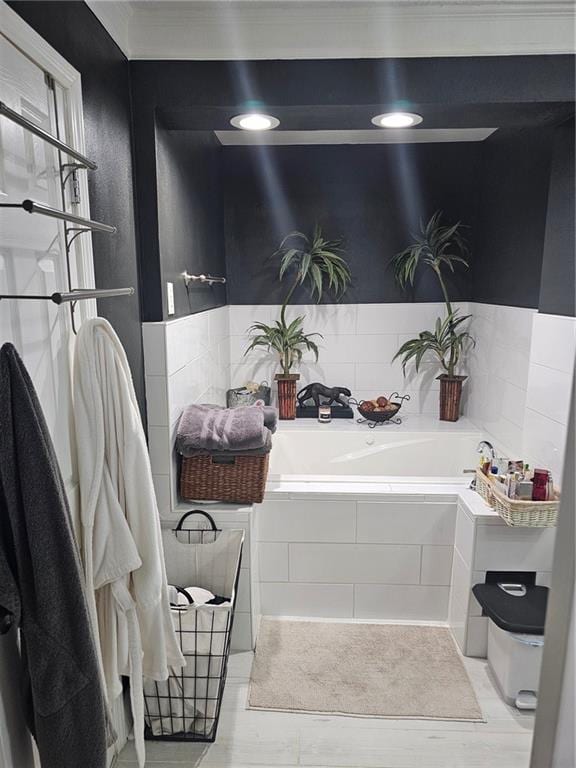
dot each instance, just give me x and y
(450, 396)
(287, 395)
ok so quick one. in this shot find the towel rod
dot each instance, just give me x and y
(210, 279)
(77, 294)
(19, 119)
(31, 207)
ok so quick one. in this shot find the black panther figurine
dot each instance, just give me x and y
(316, 391)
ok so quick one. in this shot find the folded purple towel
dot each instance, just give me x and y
(210, 428)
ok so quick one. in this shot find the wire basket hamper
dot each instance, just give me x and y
(523, 514)
(186, 707)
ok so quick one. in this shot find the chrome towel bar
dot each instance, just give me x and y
(32, 207)
(20, 120)
(77, 294)
(209, 279)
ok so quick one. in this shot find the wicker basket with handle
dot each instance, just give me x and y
(239, 479)
(524, 514)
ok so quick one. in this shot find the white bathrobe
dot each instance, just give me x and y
(121, 542)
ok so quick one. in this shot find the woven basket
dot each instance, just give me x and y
(240, 479)
(523, 514)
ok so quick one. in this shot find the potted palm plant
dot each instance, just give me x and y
(319, 264)
(437, 247)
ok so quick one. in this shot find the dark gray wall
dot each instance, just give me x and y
(524, 244)
(463, 92)
(509, 239)
(190, 217)
(558, 283)
(73, 30)
(370, 196)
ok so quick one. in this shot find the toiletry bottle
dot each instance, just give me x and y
(511, 485)
(539, 485)
(524, 490)
(550, 488)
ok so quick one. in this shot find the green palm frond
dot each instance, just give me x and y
(288, 341)
(317, 261)
(446, 342)
(436, 245)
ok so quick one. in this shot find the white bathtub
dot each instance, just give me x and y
(380, 525)
(420, 447)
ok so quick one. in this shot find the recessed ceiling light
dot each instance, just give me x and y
(254, 121)
(397, 120)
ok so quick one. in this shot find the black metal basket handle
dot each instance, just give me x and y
(186, 515)
(186, 594)
(399, 397)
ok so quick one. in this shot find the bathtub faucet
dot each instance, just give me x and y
(485, 448)
(484, 445)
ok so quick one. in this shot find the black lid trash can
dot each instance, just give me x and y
(517, 616)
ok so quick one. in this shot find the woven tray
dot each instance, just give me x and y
(239, 479)
(522, 514)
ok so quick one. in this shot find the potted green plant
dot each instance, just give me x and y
(319, 264)
(437, 247)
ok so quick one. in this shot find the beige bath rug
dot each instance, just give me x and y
(378, 670)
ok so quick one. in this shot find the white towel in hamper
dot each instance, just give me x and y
(187, 701)
(167, 710)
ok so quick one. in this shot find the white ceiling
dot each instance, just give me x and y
(304, 29)
(370, 136)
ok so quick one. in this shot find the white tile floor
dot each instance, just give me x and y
(248, 738)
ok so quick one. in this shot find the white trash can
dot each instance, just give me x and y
(517, 615)
(515, 659)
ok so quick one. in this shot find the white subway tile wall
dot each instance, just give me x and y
(552, 355)
(498, 372)
(520, 371)
(358, 344)
(520, 381)
(186, 361)
(436, 566)
(318, 600)
(366, 559)
(401, 603)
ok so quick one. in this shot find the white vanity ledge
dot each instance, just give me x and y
(424, 489)
(411, 422)
(239, 512)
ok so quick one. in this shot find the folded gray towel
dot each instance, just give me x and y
(266, 448)
(212, 428)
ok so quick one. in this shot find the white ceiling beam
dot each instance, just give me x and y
(116, 16)
(317, 29)
(369, 136)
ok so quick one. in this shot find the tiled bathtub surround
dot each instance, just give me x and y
(552, 355)
(498, 372)
(398, 553)
(520, 381)
(386, 559)
(356, 351)
(517, 391)
(186, 361)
